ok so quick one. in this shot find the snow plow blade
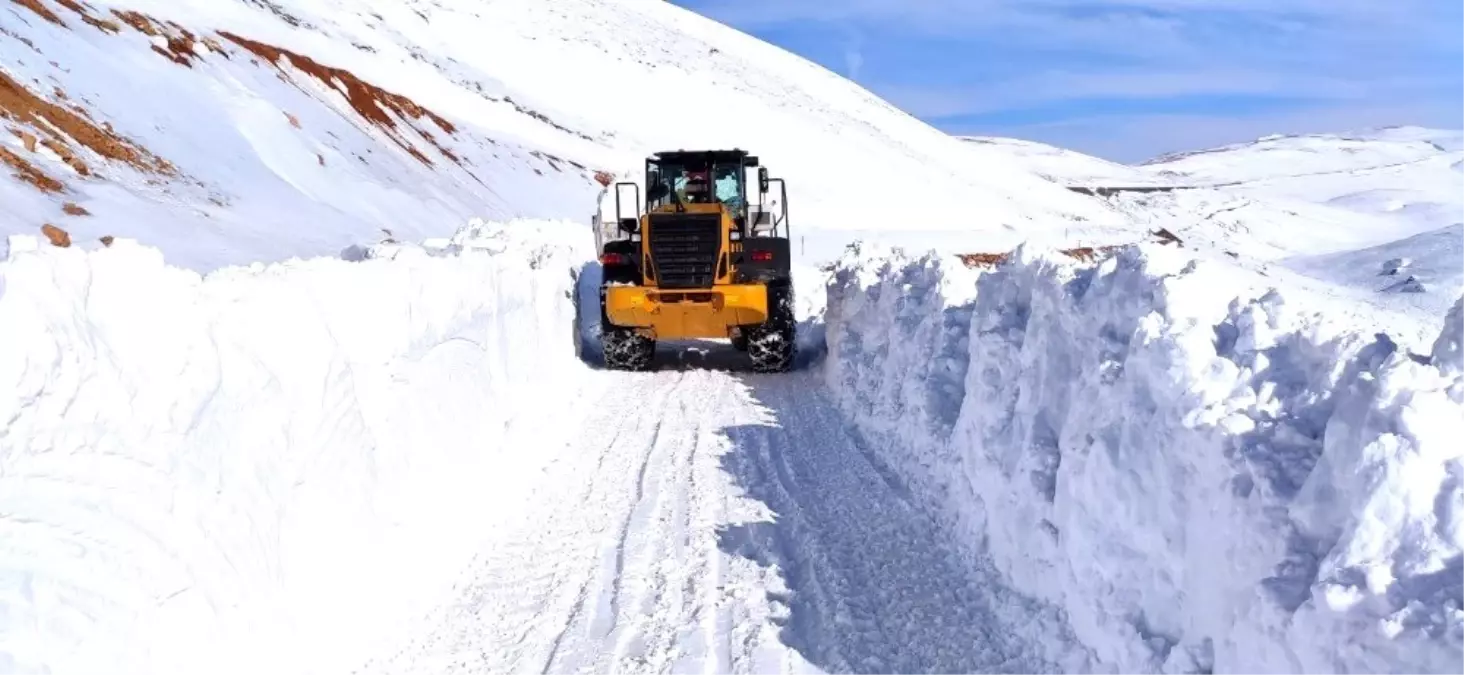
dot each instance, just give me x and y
(678, 315)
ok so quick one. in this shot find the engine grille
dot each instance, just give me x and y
(685, 248)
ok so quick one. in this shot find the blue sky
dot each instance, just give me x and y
(1130, 79)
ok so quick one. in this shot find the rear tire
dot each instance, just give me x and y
(772, 344)
(625, 349)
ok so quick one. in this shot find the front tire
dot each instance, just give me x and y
(772, 344)
(625, 349)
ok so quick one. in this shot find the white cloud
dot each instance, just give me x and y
(1048, 86)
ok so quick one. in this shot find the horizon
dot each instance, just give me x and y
(1129, 80)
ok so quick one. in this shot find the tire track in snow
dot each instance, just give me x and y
(525, 603)
(649, 533)
(676, 563)
(700, 521)
(875, 588)
(643, 534)
(589, 629)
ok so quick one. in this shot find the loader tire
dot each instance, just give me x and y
(771, 345)
(624, 349)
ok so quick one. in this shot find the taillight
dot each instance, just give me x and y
(762, 256)
(614, 259)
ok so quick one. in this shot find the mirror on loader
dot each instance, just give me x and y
(762, 179)
(627, 224)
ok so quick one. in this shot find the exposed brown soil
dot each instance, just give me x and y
(40, 10)
(139, 21)
(1087, 253)
(26, 140)
(72, 209)
(28, 173)
(60, 128)
(180, 40)
(106, 240)
(982, 259)
(58, 236)
(1084, 253)
(371, 102)
(66, 155)
(81, 10)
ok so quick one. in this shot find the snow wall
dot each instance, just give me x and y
(1205, 474)
(208, 474)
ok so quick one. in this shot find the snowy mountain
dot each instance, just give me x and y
(354, 116)
(1060, 165)
(1372, 197)
(1336, 208)
(1232, 449)
(1408, 175)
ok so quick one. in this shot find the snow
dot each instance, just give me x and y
(203, 474)
(1371, 197)
(1206, 473)
(732, 526)
(1405, 177)
(297, 417)
(1286, 157)
(1060, 165)
(399, 465)
(275, 163)
(1425, 271)
(1321, 213)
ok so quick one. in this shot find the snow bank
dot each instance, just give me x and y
(267, 468)
(1205, 473)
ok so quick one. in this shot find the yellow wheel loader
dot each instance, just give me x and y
(697, 259)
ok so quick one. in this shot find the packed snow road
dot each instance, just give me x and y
(698, 519)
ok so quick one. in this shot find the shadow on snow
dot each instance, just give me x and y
(873, 585)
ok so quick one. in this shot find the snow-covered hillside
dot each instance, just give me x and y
(1407, 175)
(1374, 197)
(1340, 209)
(1059, 165)
(227, 132)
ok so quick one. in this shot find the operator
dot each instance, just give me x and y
(697, 187)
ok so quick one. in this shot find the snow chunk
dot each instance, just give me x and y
(1409, 285)
(1392, 266)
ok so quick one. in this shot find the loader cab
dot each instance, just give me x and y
(717, 179)
(698, 226)
(714, 181)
